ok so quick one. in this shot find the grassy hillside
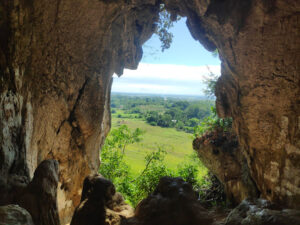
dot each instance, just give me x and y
(178, 144)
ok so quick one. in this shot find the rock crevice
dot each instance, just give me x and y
(49, 49)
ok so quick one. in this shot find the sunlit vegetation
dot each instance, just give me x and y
(151, 138)
(164, 112)
(119, 163)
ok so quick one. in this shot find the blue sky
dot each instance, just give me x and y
(179, 70)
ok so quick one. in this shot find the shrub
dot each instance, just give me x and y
(135, 188)
(211, 123)
(189, 173)
(153, 123)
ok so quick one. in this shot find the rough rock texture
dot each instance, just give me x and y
(100, 204)
(39, 198)
(14, 215)
(259, 46)
(173, 202)
(56, 62)
(220, 153)
(262, 212)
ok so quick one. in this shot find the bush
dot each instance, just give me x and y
(153, 123)
(135, 188)
(211, 123)
(189, 173)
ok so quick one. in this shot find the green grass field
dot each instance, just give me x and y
(178, 144)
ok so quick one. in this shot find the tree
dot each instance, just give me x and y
(121, 137)
(165, 22)
(151, 117)
(155, 169)
(210, 83)
(136, 187)
(165, 120)
(193, 122)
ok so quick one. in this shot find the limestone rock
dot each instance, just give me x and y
(14, 215)
(262, 212)
(39, 198)
(57, 59)
(172, 203)
(100, 204)
(220, 152)
(259, 45)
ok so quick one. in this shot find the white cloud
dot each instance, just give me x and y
(163, 78)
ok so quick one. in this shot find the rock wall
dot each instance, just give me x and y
(220, 152)
(259, 46)
(57, 60)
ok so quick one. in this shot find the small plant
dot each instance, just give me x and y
(211, 123)
(189, 173)
(165, 22)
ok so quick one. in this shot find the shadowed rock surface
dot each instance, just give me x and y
(262, 212)
(259, 46)
(57, 58)
(220, 152)
(100, 204)
(172, 203)
(39, 198)
(14, 215)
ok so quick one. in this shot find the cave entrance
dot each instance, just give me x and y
(155, 110)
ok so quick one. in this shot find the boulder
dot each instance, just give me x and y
(14, 215)
(39, 198)
(173, 202)
(262, 212)
(100, 204)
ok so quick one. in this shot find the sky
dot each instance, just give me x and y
(179, 70)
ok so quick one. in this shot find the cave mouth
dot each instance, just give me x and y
(55, 87)
(155, 110)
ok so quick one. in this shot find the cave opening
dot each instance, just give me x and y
(156, 111)
(56, 63)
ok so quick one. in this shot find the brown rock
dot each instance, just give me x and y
(259, 45)
(14, 215)
(39, 197)
(100, 204)
(172, 203)
(262, 212)
(57, 59)
(56, 63)
(220, 152)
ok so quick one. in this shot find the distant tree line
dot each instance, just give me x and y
(164, 112)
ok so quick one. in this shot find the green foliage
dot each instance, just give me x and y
(165, 22)
(123, 136)
(113, 166)
(210, 83)
(189, 173)
(215, 53)
(155, 169)
(163, 112)
(187, 114)
(211, 123)
(136, 187)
